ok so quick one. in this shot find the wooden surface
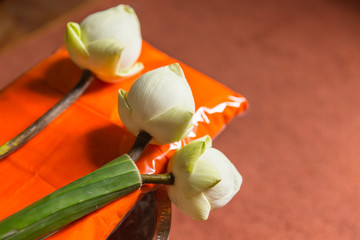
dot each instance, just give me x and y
(297, 148)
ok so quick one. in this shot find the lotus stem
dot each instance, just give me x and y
(166, 179)
(141, 141)
(18, 141)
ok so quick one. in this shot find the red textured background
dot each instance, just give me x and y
(298, 64)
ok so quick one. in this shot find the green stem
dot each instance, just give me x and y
(49, 116)
(166, 179)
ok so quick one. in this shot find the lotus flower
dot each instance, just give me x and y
(160, 103)
(108, 43)
(205, 179)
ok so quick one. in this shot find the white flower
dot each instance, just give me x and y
(108, 43)
(204, 179)
(160, 102)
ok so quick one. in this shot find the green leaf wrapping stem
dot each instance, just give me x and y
(115, 179)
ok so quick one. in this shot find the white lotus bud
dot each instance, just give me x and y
(204, 179)
(108, 43)
(160, 102)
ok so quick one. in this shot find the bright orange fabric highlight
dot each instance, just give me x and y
(88, 135)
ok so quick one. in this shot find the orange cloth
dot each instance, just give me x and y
(88, 135)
